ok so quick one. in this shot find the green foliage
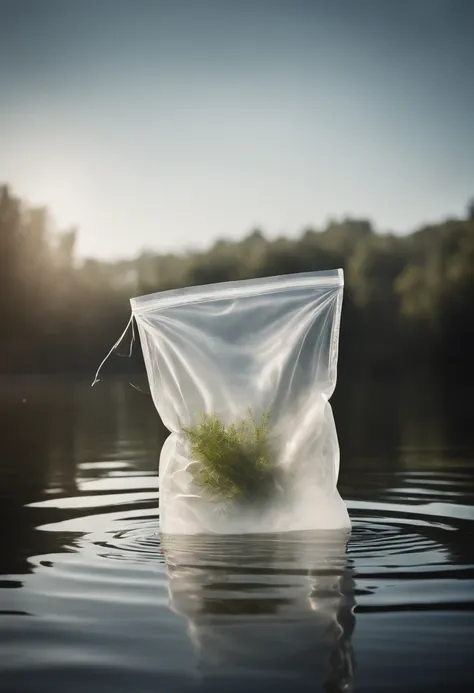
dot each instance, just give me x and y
(232, 463)
(408, 299)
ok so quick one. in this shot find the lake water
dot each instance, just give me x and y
(90, 599)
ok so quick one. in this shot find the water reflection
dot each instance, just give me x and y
(56, 435)
(279, 606)
(84, 600)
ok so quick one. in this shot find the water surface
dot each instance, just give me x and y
(91, 598)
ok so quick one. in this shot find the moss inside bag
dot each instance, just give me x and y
(241, 374)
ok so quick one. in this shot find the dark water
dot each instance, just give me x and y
(91, 600)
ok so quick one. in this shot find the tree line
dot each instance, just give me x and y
(408, 300)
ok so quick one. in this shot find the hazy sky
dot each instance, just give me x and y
(168, 124)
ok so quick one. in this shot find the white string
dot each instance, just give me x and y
(133, 336)
(96, 379)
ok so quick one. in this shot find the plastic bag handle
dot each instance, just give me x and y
(115, 346)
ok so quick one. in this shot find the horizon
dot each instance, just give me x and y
(170, 128)
(209, 243)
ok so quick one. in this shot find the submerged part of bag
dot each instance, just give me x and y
(241, 374)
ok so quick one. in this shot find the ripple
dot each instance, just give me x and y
(110, 589)
(124, 527)
(139, 544)
(402, 555)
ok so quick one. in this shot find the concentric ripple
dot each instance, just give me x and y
(299, 611)
(139, 543)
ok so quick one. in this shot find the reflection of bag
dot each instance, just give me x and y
(241, 374)
(291, 627)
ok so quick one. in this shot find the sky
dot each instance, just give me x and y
(166, 125)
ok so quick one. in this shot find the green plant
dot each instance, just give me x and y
(232, 463)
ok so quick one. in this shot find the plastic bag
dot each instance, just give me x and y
(241, 374)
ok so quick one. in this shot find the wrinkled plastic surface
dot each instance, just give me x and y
(264, 344)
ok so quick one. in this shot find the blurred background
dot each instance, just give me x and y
(149, 145)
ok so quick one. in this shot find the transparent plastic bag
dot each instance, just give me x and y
(241, 374)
